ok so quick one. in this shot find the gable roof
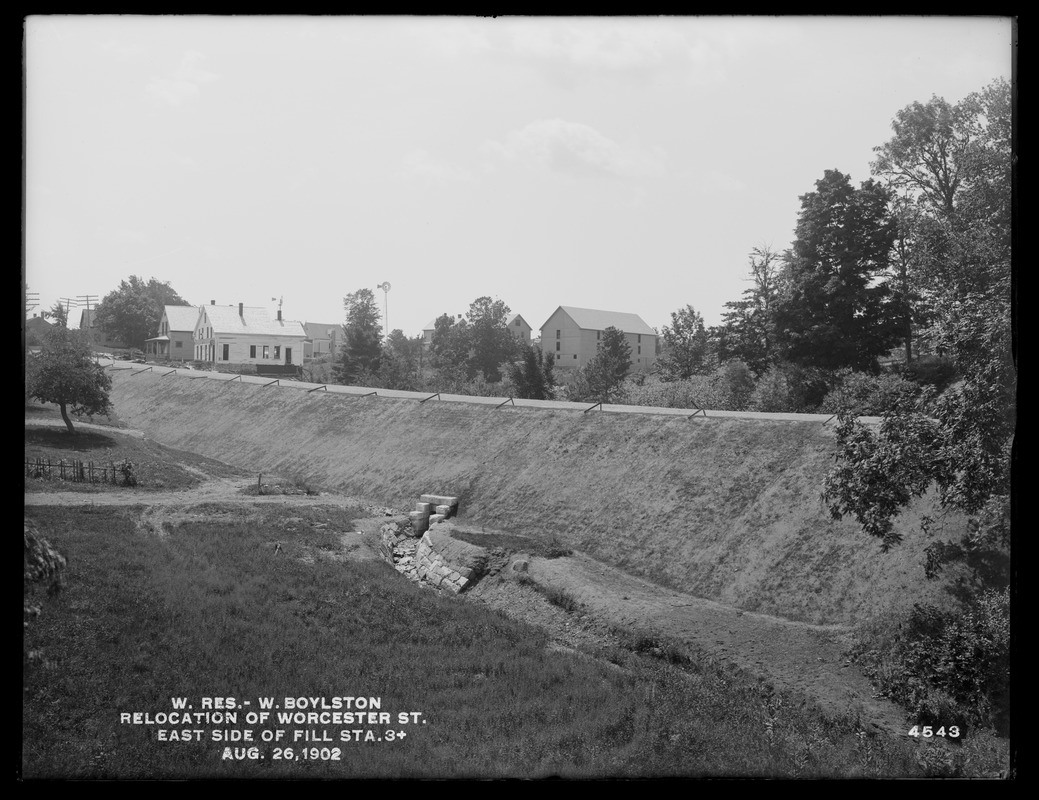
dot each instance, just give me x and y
(253, 320)
(181, 318)
(594, 320)
(319, 330)
(513, 318)
(37, 324)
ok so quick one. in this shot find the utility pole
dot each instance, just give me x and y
(385, 286)
(69, 302)
(88, 299)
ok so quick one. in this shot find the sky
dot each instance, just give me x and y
(624, 164)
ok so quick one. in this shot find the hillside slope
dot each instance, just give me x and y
(727, 509)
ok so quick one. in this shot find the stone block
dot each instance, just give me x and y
(440, 500)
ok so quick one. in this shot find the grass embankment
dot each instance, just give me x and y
(212, 609)
(727, 509)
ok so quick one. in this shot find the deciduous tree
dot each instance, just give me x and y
(449, 352)
(132, 313)
(491, 345)
(685, 350)
(64, 372)
(401, 364)
(603, 376)
(961, 442)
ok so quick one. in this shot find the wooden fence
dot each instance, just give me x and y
(74, 470)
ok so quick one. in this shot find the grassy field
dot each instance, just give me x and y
(727, 509)
(210, 609)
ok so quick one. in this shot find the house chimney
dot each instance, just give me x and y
(279, 315)
(212, 302)
(241, 306)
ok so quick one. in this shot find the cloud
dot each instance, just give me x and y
(452, 39)
(722, 182)
(601, 43)
(124, 52)
(183, 84)
(121, 235)
(703, 49)
(420, 164)
(574, 149)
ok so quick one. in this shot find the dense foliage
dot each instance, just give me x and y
(748, 331)
(132, 313)
(833, 312)
(532, 376)
(64, 372)
(961, 443)
(602, 379)
(685, 346)
(949, 668)
(359, 357)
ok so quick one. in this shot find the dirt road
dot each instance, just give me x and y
(794, 656)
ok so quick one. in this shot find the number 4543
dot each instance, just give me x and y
(927, 731)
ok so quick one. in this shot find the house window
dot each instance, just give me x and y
(558, 356)
(252, 351)
(557, 347)
(266, 351)
(640, 349)
(178, 343)
(517, 323)
(227, 353)
(598, 335)
(277, 351)
(575, 355)
(640, 338)
(557, 334)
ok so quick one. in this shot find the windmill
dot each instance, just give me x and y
(385, 286)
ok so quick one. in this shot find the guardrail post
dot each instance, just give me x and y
(597, 405)
(510, 400)
(420, 402)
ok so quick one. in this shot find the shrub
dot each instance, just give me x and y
(728, 388)
(949, 668)
(128, 471)
(862, 394)
(791, 388)
(933, 371)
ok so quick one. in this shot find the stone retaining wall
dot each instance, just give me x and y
(449, 563)
(437, 559)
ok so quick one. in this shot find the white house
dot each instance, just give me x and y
(247, 335)
(176, 334)
(519, 328)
